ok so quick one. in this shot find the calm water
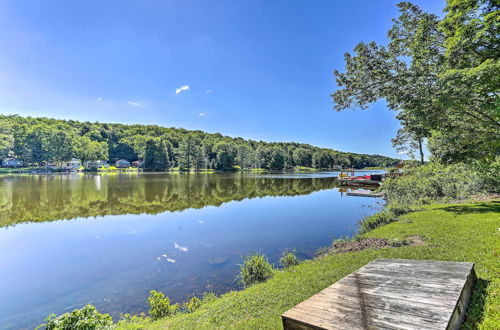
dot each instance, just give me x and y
(69, 240)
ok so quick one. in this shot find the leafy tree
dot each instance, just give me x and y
(302, 157)
(277, 159)
(87, 149)
(6, 139)
(226, 156)
(155, 158)
(441, 76)
(61, 145)
(188, 154)
(244, 156)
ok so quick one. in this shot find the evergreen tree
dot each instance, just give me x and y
(150, 156)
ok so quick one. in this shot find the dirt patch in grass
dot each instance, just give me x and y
(374, 243)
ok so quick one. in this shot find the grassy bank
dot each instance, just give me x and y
(455, 232)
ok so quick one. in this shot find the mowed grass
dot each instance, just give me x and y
(454, 232)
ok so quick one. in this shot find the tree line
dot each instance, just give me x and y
(40, 140)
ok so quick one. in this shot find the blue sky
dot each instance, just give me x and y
(258, 69)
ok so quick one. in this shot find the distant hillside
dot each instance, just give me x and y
(39, 140)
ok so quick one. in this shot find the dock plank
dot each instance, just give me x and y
(390, 294)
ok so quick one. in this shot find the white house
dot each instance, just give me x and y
(122, 163)
(96, 163)
(12, 162)
(73, 164)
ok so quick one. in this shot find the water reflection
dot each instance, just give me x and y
(54, 197)
(180, 234)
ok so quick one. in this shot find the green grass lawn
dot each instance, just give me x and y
(455, 232)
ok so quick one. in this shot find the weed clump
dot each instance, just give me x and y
(192, 304)
(377, 220)
(159, 305)
(86, 318)
(255, 269)
(289, 259)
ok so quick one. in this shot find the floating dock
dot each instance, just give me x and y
(364, 193)
(358, 182)
(390, 294)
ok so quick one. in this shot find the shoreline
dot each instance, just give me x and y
(433, 229)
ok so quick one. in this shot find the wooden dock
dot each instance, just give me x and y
(390, 294)
(358, 182)
(364, 193)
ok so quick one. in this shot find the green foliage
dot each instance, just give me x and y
(435, 181)
(226, 156)
(6, 138)
(302, 157)
(376, 220)
(277, 159)
(192, 305)
(38, 140)
(159, 305)
(87, 318)
(255, 269)
(289, 259)
(209, 297)
(155, 158)
(442, 77)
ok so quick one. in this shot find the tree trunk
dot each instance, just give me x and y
(421, 151)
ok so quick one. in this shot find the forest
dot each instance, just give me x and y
(40, 140)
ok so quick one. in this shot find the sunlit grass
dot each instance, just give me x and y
(455, 232)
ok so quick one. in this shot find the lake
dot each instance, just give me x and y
(68, 240)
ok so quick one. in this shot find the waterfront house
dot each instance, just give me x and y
(96, 164)
(73, 164)
(12, 162)
(122, 163)
(137, 163)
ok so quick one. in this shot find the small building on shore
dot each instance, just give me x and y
(122, 163)
(12, 162)
(73, 164)
(96, 164)
(137, 164)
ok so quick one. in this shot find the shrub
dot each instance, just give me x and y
(435, 181)
(209, 297)
(192, 305)
(87, 318)
(377, 220)
(159, 305)
(255, 269)
(289, 259)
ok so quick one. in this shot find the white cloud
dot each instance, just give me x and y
(134, 103)
(402, 152)
(182, 89)
(202, 114)
(99, 99)
(181, 248)
(209, 91)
